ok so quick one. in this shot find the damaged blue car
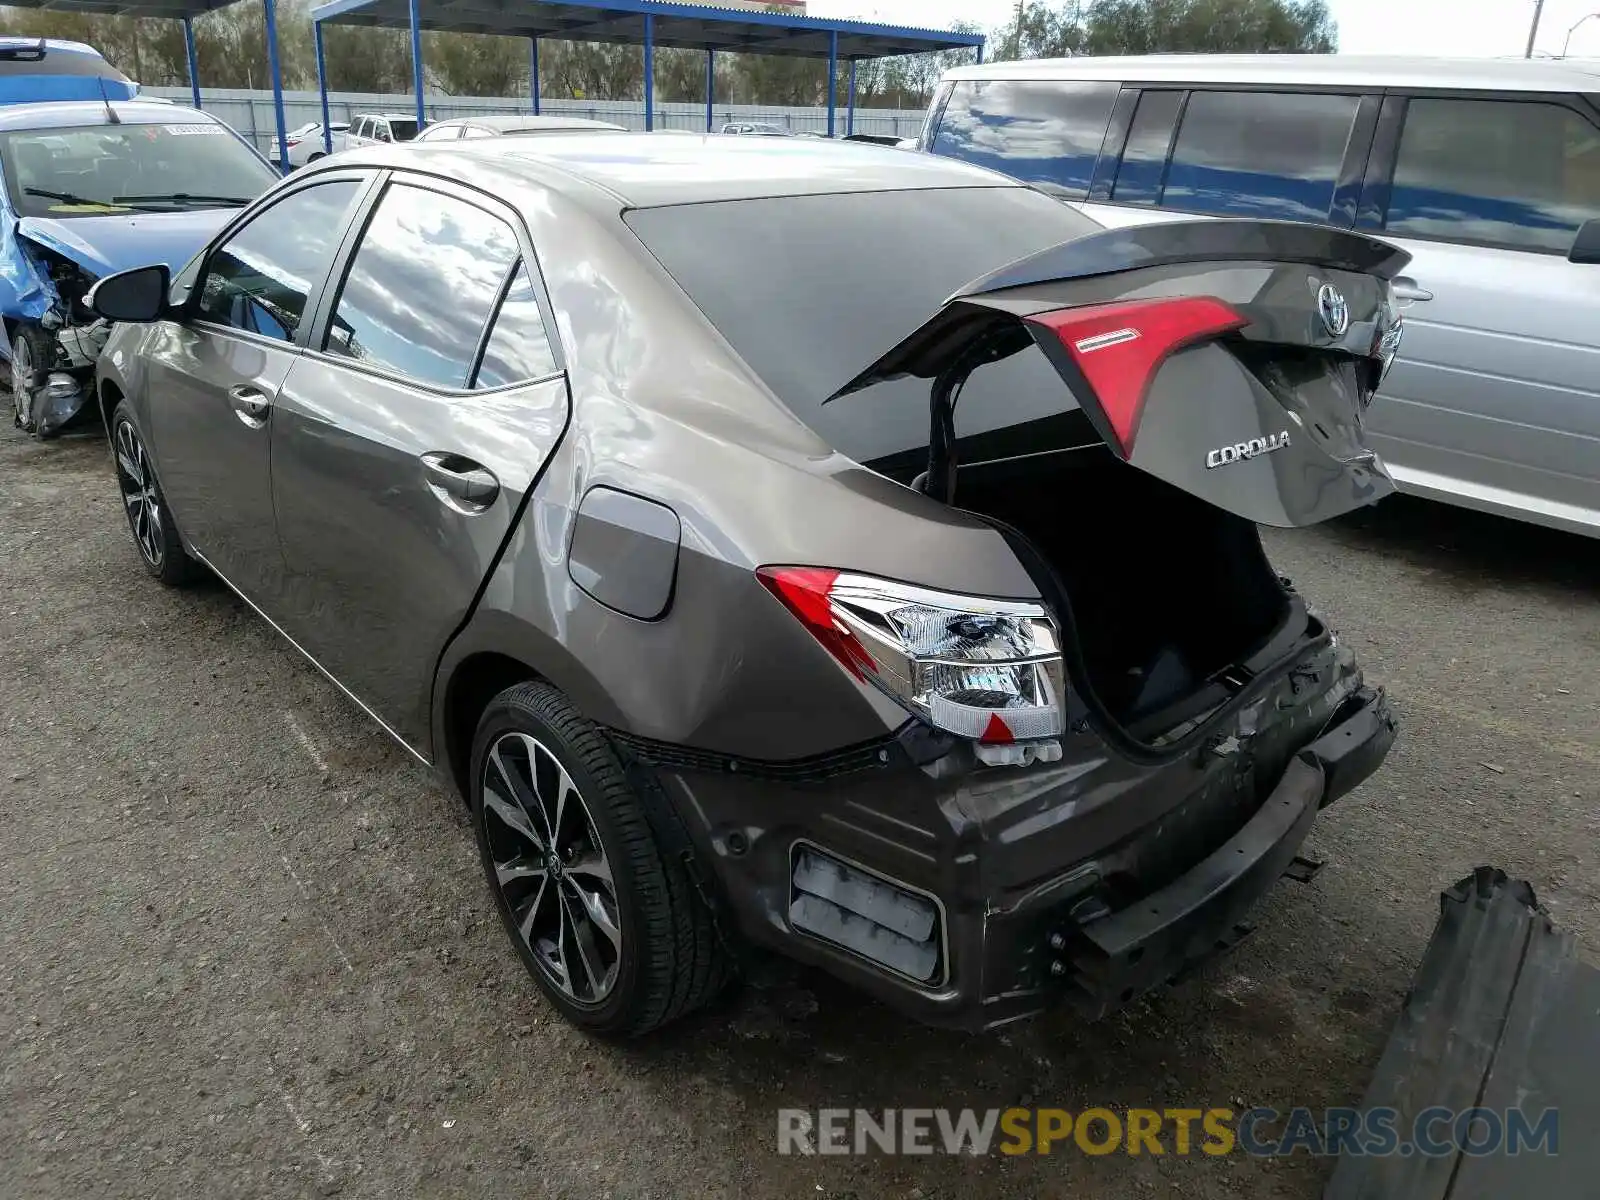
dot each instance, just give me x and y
(91, 188)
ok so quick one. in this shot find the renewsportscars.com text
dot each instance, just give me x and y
(1260, 1132)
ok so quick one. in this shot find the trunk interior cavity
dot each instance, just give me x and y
(1161, 592)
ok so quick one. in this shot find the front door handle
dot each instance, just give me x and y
(462, 484)
(251, 403)
(1407, 292)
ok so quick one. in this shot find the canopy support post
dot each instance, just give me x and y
(533, 73)
(322, 85)
(649, 71)
(270, 13)
(833, 78)
(850, 110)
(416, 61)
(194, 67)
(711, 90)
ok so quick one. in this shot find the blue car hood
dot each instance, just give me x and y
(119, 242)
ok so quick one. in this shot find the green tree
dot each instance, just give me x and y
(1168, 26)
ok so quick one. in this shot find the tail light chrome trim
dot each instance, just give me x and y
(985, 669)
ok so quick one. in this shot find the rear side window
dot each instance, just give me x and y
(518, 348)
(1260, 154)
(1144, 159)
(258, 280)
(421, 286)
(1496, 172)
(1040, 132)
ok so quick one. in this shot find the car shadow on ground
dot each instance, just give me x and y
(1467, 544)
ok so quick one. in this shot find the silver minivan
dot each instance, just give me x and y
(1485, 171)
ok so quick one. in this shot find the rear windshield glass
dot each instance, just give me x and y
(26, 60)
(78, 171)
(811, 290)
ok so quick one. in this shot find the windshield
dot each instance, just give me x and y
(403, 131)
(811, 290)
(85, 171)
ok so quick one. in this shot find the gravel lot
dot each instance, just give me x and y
(245, 949)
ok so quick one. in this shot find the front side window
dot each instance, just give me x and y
(421, 286)
(518, 348)
(1499, 172)
(92, 170)
(380, 130)
(476, 131)
(1260, 154)
(258, 281)
(1040, 132)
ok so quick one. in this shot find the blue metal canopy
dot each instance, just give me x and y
(645, 23)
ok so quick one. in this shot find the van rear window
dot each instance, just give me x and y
(1041, 132)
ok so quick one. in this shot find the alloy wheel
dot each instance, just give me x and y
(550, 868)
(139, 494)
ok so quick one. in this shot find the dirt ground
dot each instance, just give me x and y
(245, 948)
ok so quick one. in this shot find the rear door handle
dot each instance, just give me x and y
(251, 403)
(464, 485)
(1407, 292)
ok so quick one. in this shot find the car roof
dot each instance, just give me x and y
(12, 42)
(56, 114)
(387, 116)
(647, 170)
(508, 122)
(1327, 70)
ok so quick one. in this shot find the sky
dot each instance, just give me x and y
(1476, 28)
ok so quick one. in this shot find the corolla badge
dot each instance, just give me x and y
(1239, 451)
(1335, 309)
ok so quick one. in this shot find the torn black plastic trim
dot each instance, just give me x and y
(1500, 1016)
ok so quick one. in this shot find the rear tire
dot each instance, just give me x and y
(155, 536)
(608, 923)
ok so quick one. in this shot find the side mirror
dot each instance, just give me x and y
(1586, 246)
(136, 295)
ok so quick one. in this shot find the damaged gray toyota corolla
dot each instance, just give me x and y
(624, 480)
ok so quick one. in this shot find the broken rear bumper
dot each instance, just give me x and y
(1012, 923)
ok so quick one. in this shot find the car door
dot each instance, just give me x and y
(214, 376)
(404, 444)
(1495, 399)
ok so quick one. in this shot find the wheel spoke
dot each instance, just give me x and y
(521, 790)
(594, 909)
(129, 468)
(511, 815)
(583, 940)
(594, 865)
(549, 783)
(525, 924)
(519, 870)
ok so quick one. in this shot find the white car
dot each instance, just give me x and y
(306, 143)
(380, 129)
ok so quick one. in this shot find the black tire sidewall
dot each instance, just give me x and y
(528, 709)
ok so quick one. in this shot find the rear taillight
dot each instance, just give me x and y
(984, 669)
(1118, 348)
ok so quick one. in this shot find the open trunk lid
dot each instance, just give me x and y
(1232, 359)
